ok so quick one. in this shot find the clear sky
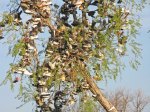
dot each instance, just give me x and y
(139, 79)
(130, 79)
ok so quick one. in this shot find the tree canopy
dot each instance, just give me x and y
(62, 48)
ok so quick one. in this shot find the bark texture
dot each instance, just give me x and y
(99, 95)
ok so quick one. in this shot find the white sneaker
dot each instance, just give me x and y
(37, 19)
(34, 26)
(23, 71)
(52, 65)
(33, 37)
(30, 47)
(45, 94)
(35, 22)
(87, 46)
(48, 74)
(29, 12)
(42, 83)
(25, 0)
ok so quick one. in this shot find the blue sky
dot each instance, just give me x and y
(130, 79)
(139, 79)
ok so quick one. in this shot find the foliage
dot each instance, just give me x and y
(79, 36)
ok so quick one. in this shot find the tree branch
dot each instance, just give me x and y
(96, 91)
(99, 95)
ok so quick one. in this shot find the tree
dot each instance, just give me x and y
(121, 100)
(126, 101)
(140, 101)
(81, 44)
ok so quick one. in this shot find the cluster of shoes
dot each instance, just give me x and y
(23, 71)
(36, 6)
(42, 89)
(70, 7)
(17, 18)
(60, 52)
(59, 101)
(40, 13)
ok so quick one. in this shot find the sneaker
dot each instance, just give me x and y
(52, 65)
(35, 22)
(42, 83)
(37, 19)
(44, 94)
(34, 26)
(87, 46)
(33, 37)
(25, 1)
(30, 47)
(47, 74)
(23, 71)
(29, 12)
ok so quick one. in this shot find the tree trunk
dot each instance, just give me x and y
(99, 95)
